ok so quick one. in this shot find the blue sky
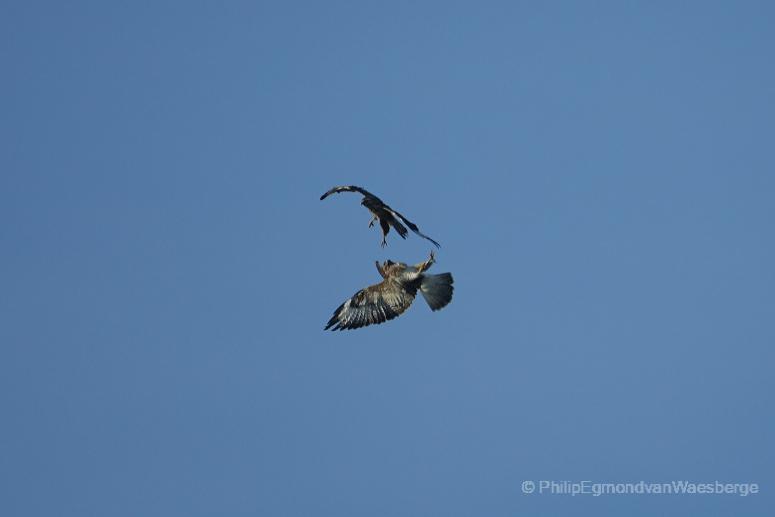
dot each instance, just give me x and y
(600, 177)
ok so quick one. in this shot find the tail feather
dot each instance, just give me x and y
(437, 290)
(400, 228)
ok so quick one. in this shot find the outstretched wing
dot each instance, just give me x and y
(347, 188)
(380, 209)
(411, 225)
(375, 304)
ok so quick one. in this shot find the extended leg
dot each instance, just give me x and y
(373, 218)
(385, 230)
(424, 266)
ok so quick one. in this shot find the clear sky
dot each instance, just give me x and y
(600, 175)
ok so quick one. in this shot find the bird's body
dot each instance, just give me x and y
(381, 212)
(391, 297)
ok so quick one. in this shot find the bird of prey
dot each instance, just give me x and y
(381, 212)
(391, 297)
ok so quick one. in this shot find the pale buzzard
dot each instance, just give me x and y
(391, 297)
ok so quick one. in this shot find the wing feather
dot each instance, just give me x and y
(373, 305)
(347, 188)
(411, 225)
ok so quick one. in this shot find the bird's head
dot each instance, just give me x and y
(388, 266)
(391, 268)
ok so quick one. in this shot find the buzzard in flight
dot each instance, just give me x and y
(381, 212)
(391, 297)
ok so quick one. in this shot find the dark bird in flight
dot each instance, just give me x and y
(391, 297)
(381, 212)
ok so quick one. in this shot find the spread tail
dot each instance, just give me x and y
(437, 290)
